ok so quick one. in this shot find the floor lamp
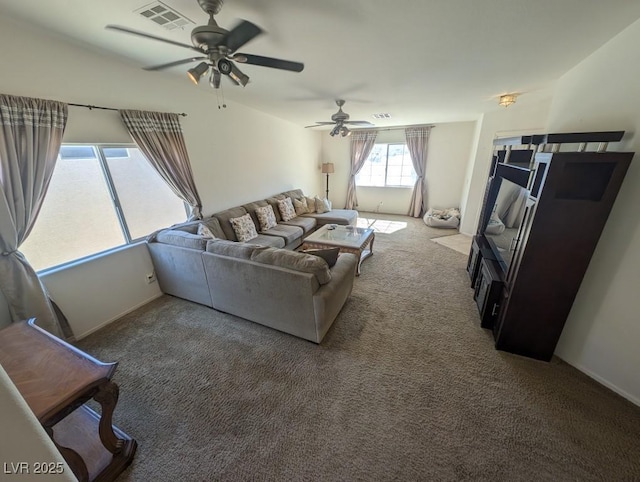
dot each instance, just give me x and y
(327, 168)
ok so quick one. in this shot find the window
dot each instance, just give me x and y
(388, 165)
(100, 197)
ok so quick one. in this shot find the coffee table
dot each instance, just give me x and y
(349, 239)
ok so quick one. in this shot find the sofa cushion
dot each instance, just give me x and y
(336, 216)
(273, 200)
(330, 255)
(271, 241)
(181, 238)
(305, 263)
(294, 194)
(288, 233)
(232, 248)
(306, 223)
(214, 226)
(266, 217)
(244, 228)
(287, 211)
(224, 216)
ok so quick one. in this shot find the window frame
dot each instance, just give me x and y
(386, 168)
(115, 200)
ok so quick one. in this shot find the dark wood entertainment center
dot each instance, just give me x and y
(547, 200)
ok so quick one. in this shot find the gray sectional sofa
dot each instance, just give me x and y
(263, 280)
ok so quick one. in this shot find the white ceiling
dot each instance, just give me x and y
(419, 60)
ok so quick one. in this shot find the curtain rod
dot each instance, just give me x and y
(404, 127)
(91, 107)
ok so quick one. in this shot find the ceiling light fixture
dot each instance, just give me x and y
(344, 132)
(198, 71)
(335, 131)
(507, 99)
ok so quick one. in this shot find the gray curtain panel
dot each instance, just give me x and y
(417, 143)
(30, 137)
(362, 141)
(159, 137)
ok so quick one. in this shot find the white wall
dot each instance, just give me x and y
(525, 116)
(238, 154)
(448, 153)
(603, 331)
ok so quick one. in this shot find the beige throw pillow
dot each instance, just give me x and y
(266, 218)
(244, 228)
(204, 231)
(287, 210)
(322, 205)
(311, 204)
(300, 205)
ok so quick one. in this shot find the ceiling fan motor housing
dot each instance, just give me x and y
(207, 35)
(212, 7)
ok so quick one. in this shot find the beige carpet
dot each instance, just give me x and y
(405, 387)
(458, 242)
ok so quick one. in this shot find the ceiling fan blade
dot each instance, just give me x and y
(130, 31)
(269, 62)
(173, 64)
(240, 35)
(359, 123)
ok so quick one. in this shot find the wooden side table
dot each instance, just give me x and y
(56, 380)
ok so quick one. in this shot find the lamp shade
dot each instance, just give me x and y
(327, 168)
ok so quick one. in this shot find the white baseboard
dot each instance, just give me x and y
(117, 317)
(609, 385)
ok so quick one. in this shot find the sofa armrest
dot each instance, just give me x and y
(330, 298)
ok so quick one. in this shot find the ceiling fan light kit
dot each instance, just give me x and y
(198, 71)
(507, 99)
(217, 47)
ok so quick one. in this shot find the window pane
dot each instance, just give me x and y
(77, 218)
(146, 200)
(373, 167)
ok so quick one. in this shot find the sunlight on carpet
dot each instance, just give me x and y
(381, 225)
(457, 242)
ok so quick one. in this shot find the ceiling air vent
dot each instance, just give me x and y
(382, 116)
(164, 15)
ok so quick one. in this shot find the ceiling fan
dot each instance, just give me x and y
(341, 119)
(217, 48)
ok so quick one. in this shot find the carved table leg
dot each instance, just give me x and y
(107, 397)
(73, 458)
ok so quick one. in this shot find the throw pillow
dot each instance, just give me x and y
(300, 205)
(266, 218)
(244, 228)
(287, 210)
(330, 255)
(322, 205)
(311, 204)
(204, 231)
